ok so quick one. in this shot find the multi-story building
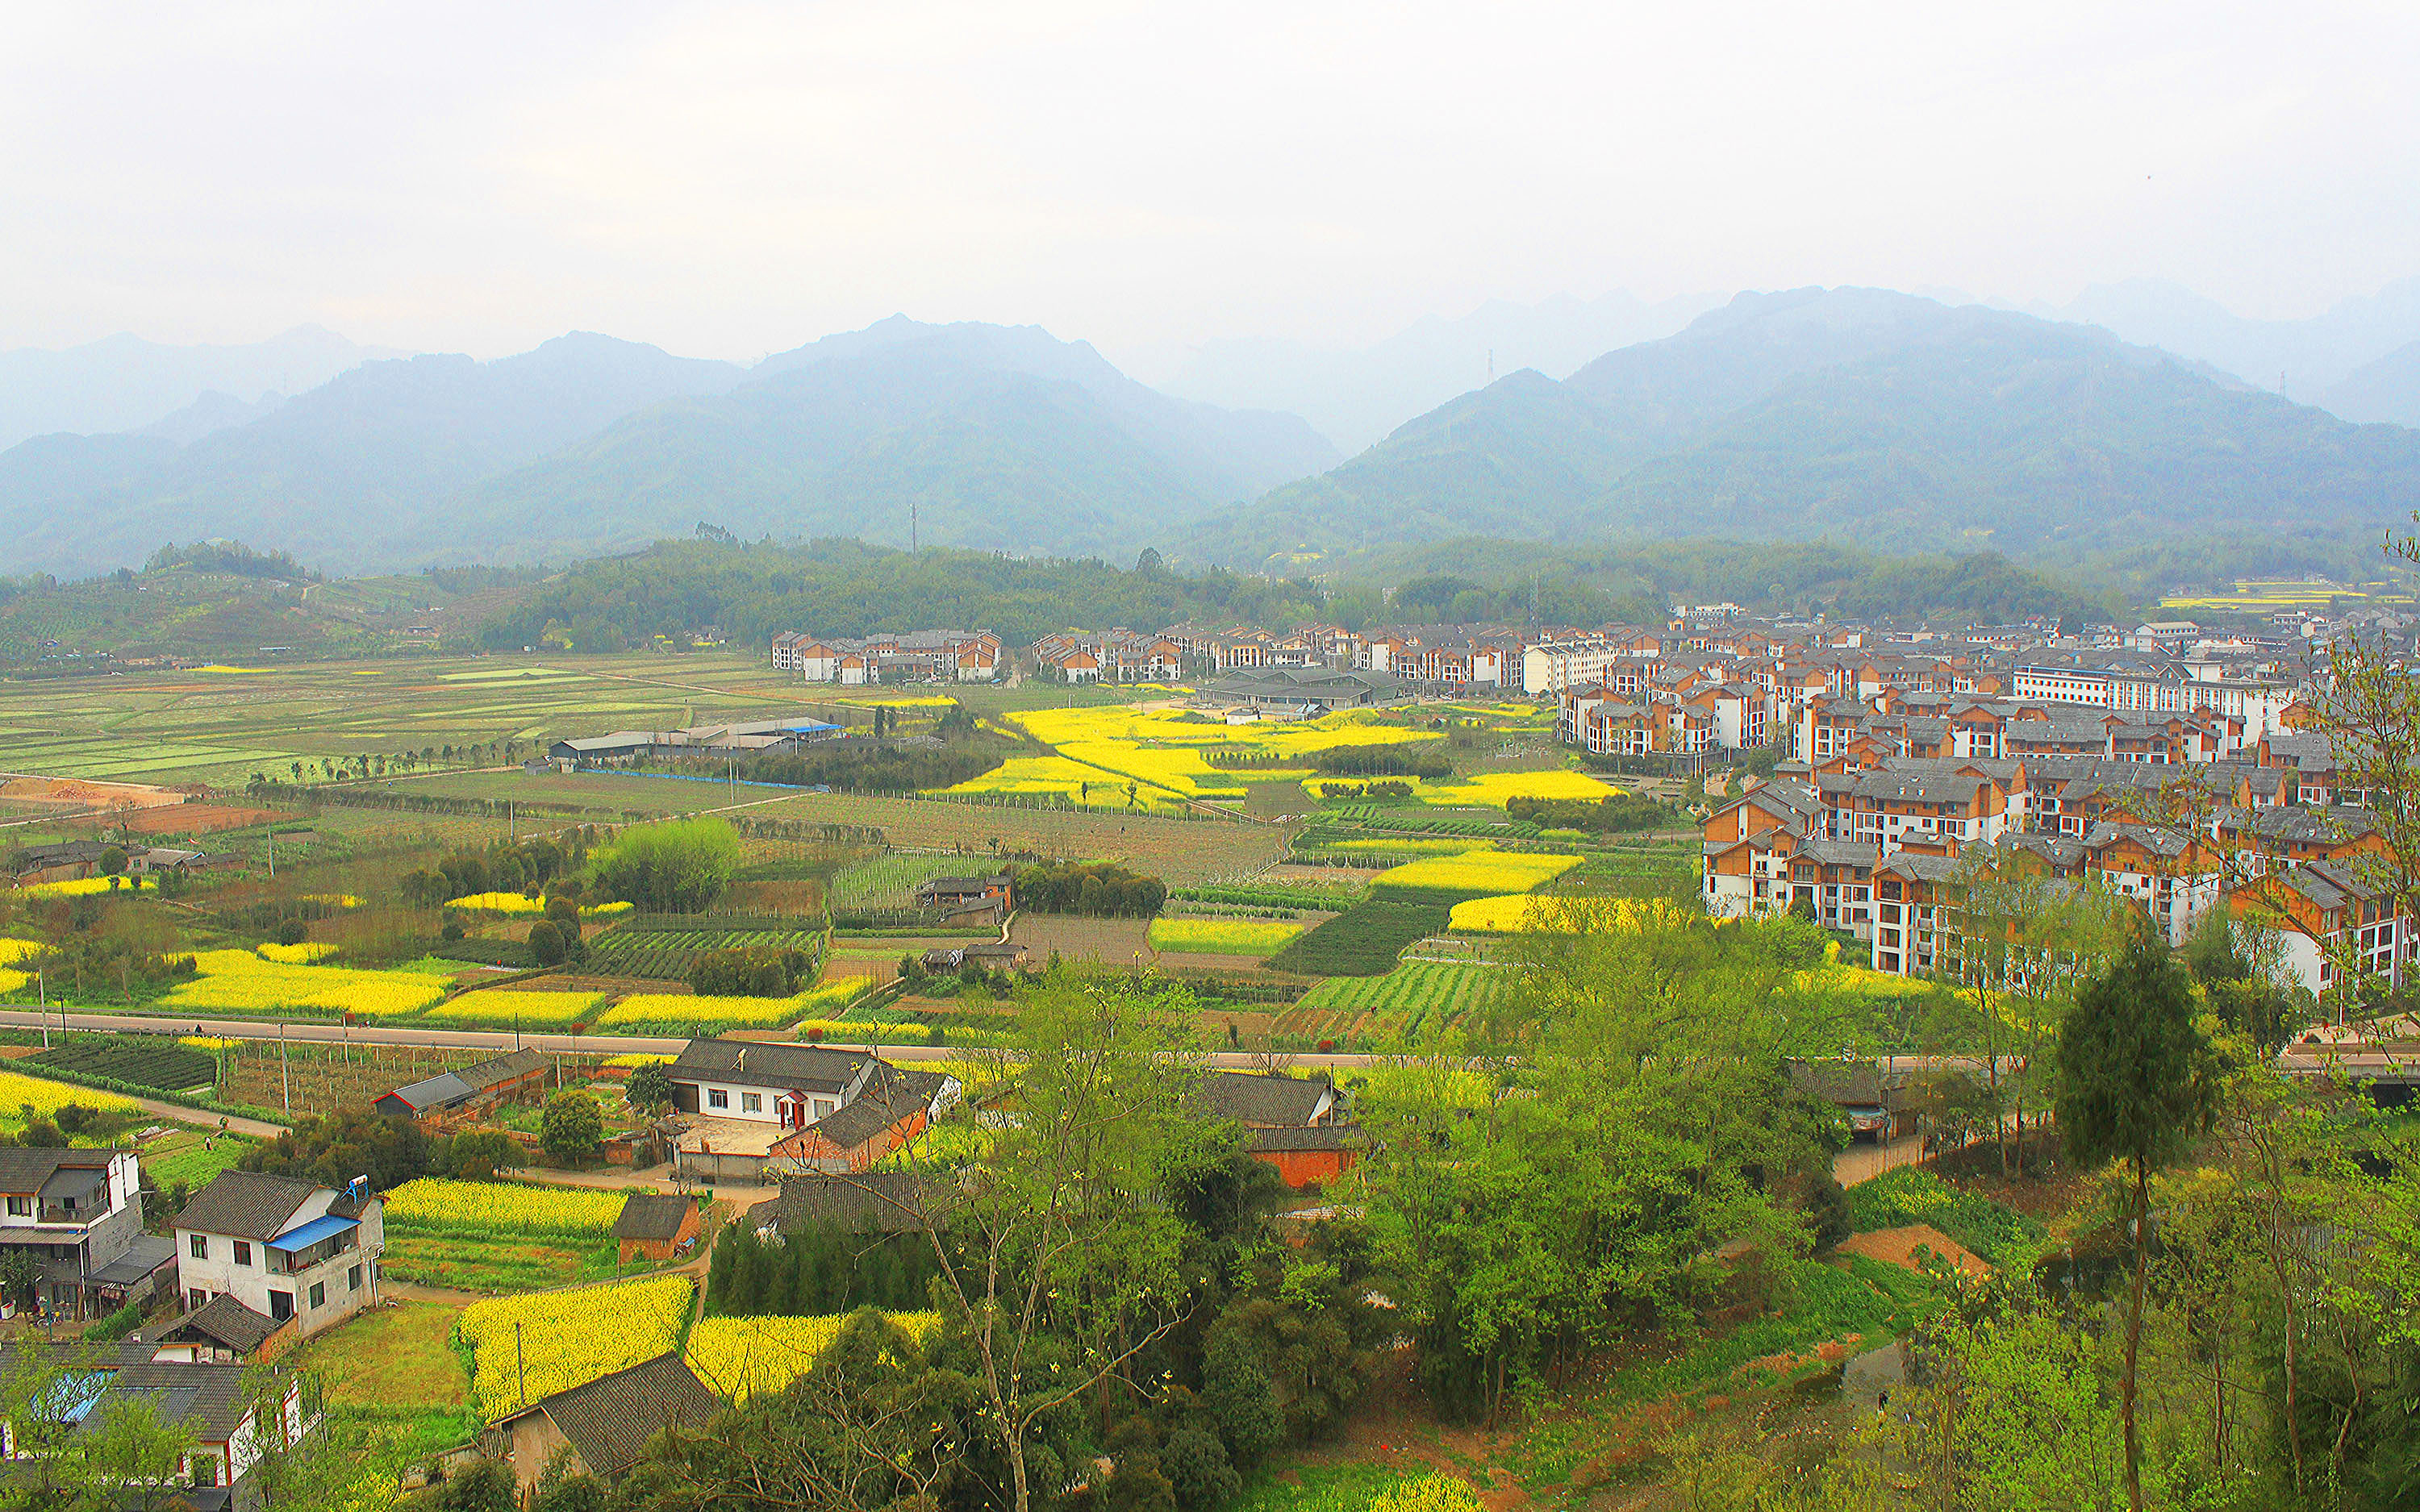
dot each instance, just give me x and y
(285, 1248)
(78, 1215)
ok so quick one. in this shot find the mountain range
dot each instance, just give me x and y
(1000, 438)
(123, 382)
(1862, 415)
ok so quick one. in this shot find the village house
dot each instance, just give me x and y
(469, 1090)
(78, 1215)
(284, 1247)
(655, 1226)
(601, 1428)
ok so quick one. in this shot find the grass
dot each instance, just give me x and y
(398, 1356)
(2000, 1235)
(1858, 1296)
(1364, 940)
(1221, 937)
(1346, 1487)
(179, 1156)
(494, 1266)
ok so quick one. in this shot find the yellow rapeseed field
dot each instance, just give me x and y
(739, 1357)
(530, 1347)
(242, 982)
(74, 887)
(484, 1208)
(503, 1005)
(17, 1092)
(709, 1013)
(296, 956)
(1520, 912)
(513, 903)
(13, 950)
(1488, 872)
(1086, 786)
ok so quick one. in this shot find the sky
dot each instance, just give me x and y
(727, 181)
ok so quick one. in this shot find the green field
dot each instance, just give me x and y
(1414, 1002)
(1364, 940)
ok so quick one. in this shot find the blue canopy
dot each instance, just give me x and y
(312, 1232)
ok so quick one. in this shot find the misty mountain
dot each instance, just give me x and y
(209, 414)
(371, 453)
(1863, 415)
(998, 437)
(1356, 398)
(1002, 437)
(2310, 356)
(123, 382)
(2386, 390)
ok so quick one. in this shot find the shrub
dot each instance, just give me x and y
(546, 943)
(479, 1154)
(1097, 888)
(650, 1085)
(677, 867)
(759, 971)
(292, 932)
(574, 1126)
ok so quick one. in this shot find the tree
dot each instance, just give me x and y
(2133, 1088)
(574, 1126)
(677, 867)
(477, 1154)
(546, 943)
(1058, 1263)
(650, 1085)
(113, 861)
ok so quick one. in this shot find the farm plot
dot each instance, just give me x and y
(1475, 873)
(322, 1078)
(138, 1060)
(1117, 941)
(1414, 1002)
(1177, 850)
(503, 1005)
(498, 1237)
(1256, 939)
(888, 881)
(665, 954)
(240, 981)
(740, 1357)
(526, 1348)
(1364, 940)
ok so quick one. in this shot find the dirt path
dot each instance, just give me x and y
(1898, 1246)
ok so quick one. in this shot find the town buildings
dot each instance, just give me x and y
(921, 656)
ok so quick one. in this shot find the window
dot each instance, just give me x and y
(751, 1101)
(200, 1245)
(319, 1294)
(353, 1279)
(242, 1252)
(197, 1299)
(20, 1207)
(716, 1098)
(281, 1306)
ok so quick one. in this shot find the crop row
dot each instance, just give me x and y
(1415, 1000)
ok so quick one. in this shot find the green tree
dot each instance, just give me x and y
(677, 867)
(2133, 1089)
(650, 1085)
(574, 1126)
(477, 1154)
(546, 943)
(113, 861)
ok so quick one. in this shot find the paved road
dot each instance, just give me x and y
(322, 1032)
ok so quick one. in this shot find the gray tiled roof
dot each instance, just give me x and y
(609, 1420)
(652, 1216)
(758, 1064)
(1266, 1100)
(25, 1170)
(878, 1201)
(246, 1204)
(225, 1319)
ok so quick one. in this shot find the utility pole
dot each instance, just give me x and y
(273, 850)
(285, 1082)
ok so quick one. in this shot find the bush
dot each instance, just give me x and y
(650, 1085)
(546, 944)
(292, 932)
(1097, 888)
(574, 1127)
(478, 1154)
(1196, 1464)
(115, 1326)
(1623, 812)
(333, 1150)
(677, 867)
(759, 971)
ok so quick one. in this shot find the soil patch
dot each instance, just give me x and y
(1899, 1246)
(195, 819)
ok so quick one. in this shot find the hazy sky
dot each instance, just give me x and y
(726, 181)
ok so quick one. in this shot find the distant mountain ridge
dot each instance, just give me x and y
(123, 382)
(997, 437)
(1865, 415)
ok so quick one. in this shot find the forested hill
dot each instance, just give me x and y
(845, 587)
(1854, 414)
